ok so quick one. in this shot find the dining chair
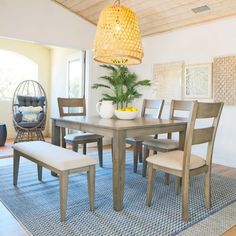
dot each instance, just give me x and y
(185, 164)
(77, 107)
(179, 110)
(150, 109)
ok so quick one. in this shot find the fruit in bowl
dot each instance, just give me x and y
(127, 113)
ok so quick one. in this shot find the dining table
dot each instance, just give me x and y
(118, 130)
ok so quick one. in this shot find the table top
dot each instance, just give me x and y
(117, 124)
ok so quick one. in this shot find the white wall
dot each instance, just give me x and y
(197, 44)
(45, 22)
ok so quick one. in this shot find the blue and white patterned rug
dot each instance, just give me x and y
(36, 204)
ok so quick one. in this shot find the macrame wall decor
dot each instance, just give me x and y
(224, 77)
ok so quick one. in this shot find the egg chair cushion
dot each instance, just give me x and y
(31, 100)
(30, 113)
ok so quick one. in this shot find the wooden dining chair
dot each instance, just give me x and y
(184, 164)
(66, 107)
(179, 110)
(150, 109)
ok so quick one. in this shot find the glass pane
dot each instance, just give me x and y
(75, 79)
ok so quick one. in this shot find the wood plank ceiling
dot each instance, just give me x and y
(157, 16)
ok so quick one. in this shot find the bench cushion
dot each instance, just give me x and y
(60, 158)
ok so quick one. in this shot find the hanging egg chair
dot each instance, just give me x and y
(29, 109)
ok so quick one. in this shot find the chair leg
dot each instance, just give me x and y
(177, 184)
(84, 148)
(207, 189)
(91, 186)
(135, 150)
(112, 148)
(166, 179)
(185, 199)
(40, 172)
(151, 176)
(16, 163)
(63, 194)
(146, 154)
(100, 152)
(140, 152)
(75, 146)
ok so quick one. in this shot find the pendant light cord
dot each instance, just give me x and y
(117, 2)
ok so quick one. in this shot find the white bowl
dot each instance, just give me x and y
(126, 115)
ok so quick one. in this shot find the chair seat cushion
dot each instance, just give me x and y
(32, 124)
(139, 139)
(162, 144)
(57, 157)
(174, 160)
(78, 136)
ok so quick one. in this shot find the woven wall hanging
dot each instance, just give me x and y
(224, 74)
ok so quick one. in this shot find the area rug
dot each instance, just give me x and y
(36, 204)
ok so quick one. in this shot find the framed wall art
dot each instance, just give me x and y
(167, 80)
(198, 81)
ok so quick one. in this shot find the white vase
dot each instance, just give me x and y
(105, 109)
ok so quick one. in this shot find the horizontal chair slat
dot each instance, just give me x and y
(183, 105)
(203, 135)
(205, 112)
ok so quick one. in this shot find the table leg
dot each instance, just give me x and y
(63, 133)
(56, 133)
(56, 136)
(118, 169)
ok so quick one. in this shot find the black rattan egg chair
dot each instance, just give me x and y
(29, 109)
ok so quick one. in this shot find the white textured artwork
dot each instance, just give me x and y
(167, 81)
(198, 81)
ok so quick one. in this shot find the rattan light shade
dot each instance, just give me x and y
(118, 39)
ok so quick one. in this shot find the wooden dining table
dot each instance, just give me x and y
(119, 130)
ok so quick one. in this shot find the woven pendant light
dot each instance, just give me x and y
(118, 39)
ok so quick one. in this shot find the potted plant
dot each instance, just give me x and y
(122, 86)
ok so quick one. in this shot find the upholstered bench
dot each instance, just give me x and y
(59, 160)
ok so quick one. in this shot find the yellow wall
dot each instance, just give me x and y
(40, 55)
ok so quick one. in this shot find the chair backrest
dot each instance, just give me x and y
(201, 135)
(180, 106)
(65, 103)
(152, 108)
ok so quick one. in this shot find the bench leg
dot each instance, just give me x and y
(91, 186)
(63, 194)
(16, 162)
(100, 152)
(40, 172)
